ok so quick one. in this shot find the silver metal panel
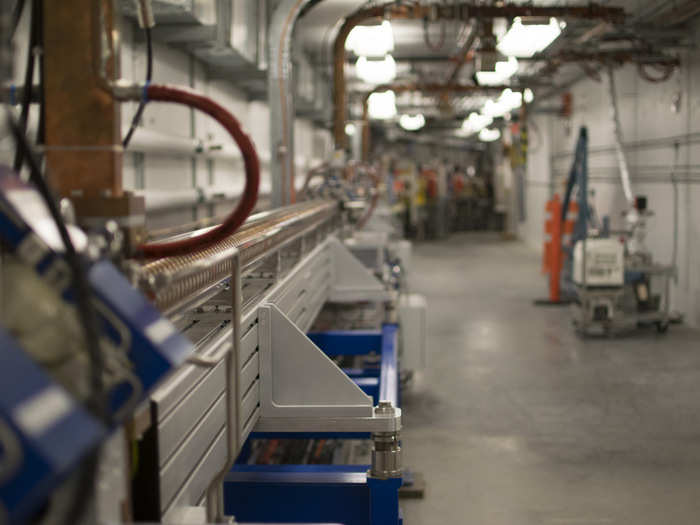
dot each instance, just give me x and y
(192, 492)
(170, 394)
(250, 401)
(174, 428)
(183, 463)
(250, 424)
(250, 372)
(249, 342)
(285, 295)
(315, 304)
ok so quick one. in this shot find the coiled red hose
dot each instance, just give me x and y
(252, 172)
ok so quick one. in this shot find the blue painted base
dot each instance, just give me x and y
(310, 494)
(324, 493)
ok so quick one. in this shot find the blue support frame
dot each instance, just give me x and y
(324, 493)
(311, 494)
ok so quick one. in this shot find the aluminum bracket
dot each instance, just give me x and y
(302, 389)
(353, 281)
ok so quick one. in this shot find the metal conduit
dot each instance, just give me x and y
(619, 148)
(281, 99)
(170, 281)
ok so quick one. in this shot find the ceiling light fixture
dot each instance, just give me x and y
(475, 123)
(504, 70)
(524, 40)
(371, 41)
(382, 106)
(489, 135)
(507, 102)
(375, 71)
(528, 96)
(350, 129)
(412, 122)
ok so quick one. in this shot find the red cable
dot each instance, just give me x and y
(252, 172)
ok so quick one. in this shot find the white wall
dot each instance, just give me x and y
(166, 173)
(650, 129)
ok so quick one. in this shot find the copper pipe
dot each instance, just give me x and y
(462, 11)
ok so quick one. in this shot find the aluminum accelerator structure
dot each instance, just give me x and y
(137, 378)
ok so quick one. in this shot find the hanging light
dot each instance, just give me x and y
(503, 71)
(475, 123)
(371, 41)
(528, 96)
(489, 135)
(524, 40)
(382, 106)
(350, 129)
(412, 122)
(507, 102)
(374, 71)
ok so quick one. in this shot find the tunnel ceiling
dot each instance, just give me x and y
(659, 28)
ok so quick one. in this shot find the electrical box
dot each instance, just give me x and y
(413, 325)
(604, 263)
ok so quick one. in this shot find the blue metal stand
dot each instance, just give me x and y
(325, 493)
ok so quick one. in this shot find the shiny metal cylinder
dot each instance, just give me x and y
(386, 456)
(170, 281)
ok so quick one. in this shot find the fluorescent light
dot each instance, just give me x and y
(412, 122)
(528, 96)
(371, 41)
(504, 70)
(375, 71)
(507, 102)
(350, 129)
(489, 135)
(524, 40)
(382, 105)
(475, 123)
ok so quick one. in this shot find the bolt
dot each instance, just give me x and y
(385, 408)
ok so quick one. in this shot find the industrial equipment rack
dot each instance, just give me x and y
(349, 494)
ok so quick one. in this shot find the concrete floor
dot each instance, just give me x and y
(517, 421)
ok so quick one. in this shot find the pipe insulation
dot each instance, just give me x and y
(617, 132)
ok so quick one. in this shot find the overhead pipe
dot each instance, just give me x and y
(279, 77)
(422, 88)
(619, 147)
(462, 11)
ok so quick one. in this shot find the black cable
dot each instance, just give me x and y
(41, 128)
(149, 76)
(28, 80)
(86, 312)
